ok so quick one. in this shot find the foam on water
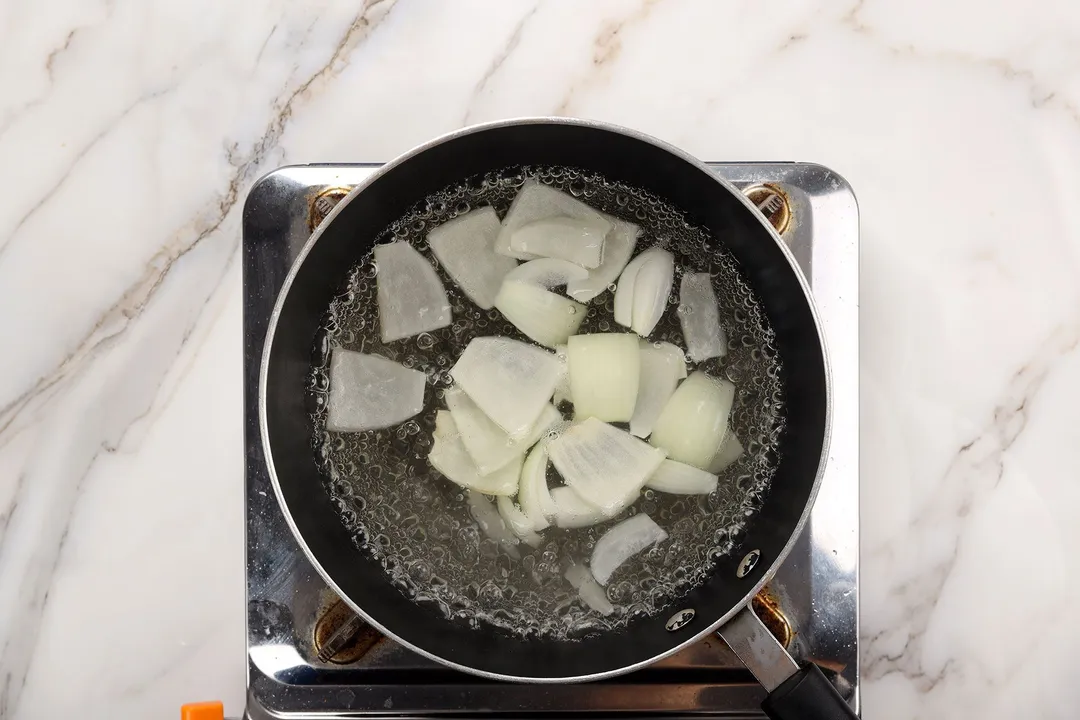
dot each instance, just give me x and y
(417, 524)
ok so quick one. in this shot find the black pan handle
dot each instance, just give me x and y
(795, 693)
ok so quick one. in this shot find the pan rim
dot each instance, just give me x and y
(283, 294)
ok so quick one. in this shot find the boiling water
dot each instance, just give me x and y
(417, 524)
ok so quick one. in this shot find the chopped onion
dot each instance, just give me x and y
(603, 464)
(491, 522)
(581, 241)
(699, 316)
(618, 247)
(533, 493)
(487, 444)
(536, 201)
(588, 589)
(730, 451)
(641, 297)
(465, 246)
(518, 522)
(412, 299)
(562, 390)
(681, 479)
(571, 511)
(510, 381)
(604, 372)
(547, 272)
(694, 421)
(449, 456)
(622, 542)
(662, 366)
(541, 315)
(369, 392)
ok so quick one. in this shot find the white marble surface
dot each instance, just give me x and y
(130, 132)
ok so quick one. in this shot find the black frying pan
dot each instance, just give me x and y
(707, 201)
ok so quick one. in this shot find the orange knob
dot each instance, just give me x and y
(212, 710)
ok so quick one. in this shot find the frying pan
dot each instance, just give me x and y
(719, 604)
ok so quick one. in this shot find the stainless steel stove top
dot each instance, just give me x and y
(309, 655)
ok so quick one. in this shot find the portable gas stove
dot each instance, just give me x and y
(309, 655)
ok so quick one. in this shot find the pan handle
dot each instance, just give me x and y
(795, 693)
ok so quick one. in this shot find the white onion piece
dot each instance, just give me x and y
(547, 272)
(730, 451)
(536, 201)
(533, 493)
(562, 390)
(465, 246)
(603, 464)
(588, 589)
(541, 315)
(412, 298)
(449, 456)
(699, 316)
(618, 247)
(681, 479)
(694, 421)
(488, 444)
(622, 542)
(604, 373)
(491, 522)
(369, 392)
(624, 291)
(581, 241)
(518, 522)
(662, 366)
(571, 510)
(510, 381)
(652, 286)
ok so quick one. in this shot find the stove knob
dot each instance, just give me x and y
(212, 710)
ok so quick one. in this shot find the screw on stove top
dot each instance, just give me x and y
(773, 203)
(323, 203)
(341, 636)
(747, 563)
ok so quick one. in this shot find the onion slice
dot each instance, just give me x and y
(548, 273)
(699, 316)
(539, 314)
(730, 451)
(517, 521)
(604, 373)
(369, 392)
(588, 589)
(581, 241)
(487, 444)
(603, 464)
(571, 511)
(622, 542)
(412, 299)
(662, 366)
(618, 247)
(642, 293)
(449, 456)
(694, 421)
(681, 479)
(465, 246)
(491, 523)
(510, 381)
(533, 493)
(536, 201)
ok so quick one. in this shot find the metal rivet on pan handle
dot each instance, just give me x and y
(323, 203)
(680, 620)
(748, 563)
(771, 202)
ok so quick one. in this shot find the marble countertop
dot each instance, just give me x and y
(131, 131)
